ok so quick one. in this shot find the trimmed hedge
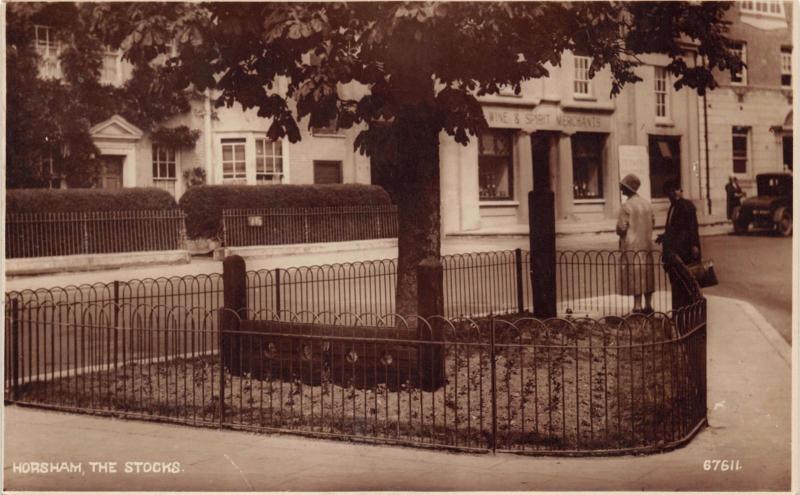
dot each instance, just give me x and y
(65, 200)
(203, 205)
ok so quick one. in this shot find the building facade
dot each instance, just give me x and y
(567, 133)
(750, 115)
(564, 132)
(232, 147)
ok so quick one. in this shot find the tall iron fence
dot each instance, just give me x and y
(578, 386)
(273, 226)
(588, 283)
(31, 235)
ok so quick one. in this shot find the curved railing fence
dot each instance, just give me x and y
(314, 353)
(588, 283)
(576, 386)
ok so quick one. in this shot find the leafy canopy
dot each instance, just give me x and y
(433, 55)
(51, 117)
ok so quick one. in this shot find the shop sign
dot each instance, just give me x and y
(635, 160)
(545, 118)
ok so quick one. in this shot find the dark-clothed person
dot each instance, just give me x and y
(733, 194)
(681, 238)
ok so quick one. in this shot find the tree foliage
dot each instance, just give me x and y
(421, 65)
(51, 117)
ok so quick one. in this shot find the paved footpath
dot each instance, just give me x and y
(749, 414)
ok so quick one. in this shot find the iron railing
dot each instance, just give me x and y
(588, 283)
(558, 386)
(31, 235)
(274, 226)
(604, 282)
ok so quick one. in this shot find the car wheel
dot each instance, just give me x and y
(785, 223)
(739, 227)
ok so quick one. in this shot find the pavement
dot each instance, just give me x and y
(749, 412)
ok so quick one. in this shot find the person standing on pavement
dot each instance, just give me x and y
(635, 231)
(681, 239)
(734, 195)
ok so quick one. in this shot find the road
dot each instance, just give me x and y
(756, 268)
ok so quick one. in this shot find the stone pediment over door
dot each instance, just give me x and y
(116, 137)
(117, 129)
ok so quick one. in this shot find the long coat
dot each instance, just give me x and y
(635, 230)
(681, 231)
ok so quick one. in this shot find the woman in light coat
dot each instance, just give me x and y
(635, 231)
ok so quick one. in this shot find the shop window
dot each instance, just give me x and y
(269, 161)
(739, 139)
(234, 163)
(327, 172)
(582, 85)
(587, 165)
(665, 162)
(495, 165)
(786, 66)
(662, 93)
(740, 78)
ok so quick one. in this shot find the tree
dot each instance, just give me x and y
(51, 117)
(422, 65)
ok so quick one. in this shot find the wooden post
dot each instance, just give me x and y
(234, 282)
(542, 217)
(430, 303)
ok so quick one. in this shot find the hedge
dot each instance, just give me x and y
(203, 205)
(65, 200)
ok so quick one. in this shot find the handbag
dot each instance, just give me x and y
(703, 271)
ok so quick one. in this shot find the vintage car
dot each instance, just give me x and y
(771, 209)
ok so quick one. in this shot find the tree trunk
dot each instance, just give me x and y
(418, 197)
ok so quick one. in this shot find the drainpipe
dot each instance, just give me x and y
(705, 138)
(209, 149)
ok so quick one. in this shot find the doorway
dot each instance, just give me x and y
(110, 174)
(787, 152)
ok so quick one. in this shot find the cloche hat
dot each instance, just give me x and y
(631, 183)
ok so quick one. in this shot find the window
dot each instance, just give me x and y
(327, 172)
(665, 162)
(46, 43)
(587, 165)
(662, 93)
(741, 50)
(51, 177)
(234, 164)
(111, 70)
(495, 165)
(269, 161)
(164, 165)
(763, 7)
(582, 85)
(47, 47)
(740, 137)
(786, 66)
(331, 129)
